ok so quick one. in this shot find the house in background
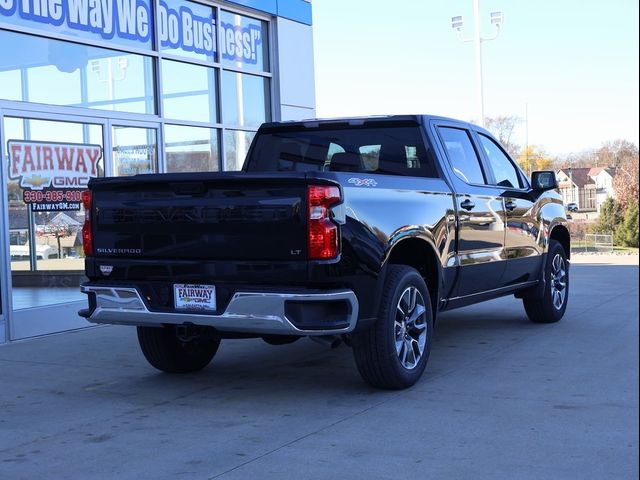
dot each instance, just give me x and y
(603, 179)
(587, 187)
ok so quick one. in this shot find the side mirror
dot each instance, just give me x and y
(544, 180)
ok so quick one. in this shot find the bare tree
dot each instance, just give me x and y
(616, 153)
(502, 127)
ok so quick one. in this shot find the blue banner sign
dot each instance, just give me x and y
(183, 26)
(241, 43)
(184, 29)
(122, 21)
(129, 19)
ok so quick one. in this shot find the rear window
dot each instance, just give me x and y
(385, 150)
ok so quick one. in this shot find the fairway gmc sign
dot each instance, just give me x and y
(53, 175)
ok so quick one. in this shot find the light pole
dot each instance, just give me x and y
(457, 23)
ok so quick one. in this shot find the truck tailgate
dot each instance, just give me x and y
(212, 216)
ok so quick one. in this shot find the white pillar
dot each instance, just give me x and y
(478, 45)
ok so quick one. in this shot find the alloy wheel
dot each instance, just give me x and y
(558, 281)
(410, 327)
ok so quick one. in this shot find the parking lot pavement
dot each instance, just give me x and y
(501, 398)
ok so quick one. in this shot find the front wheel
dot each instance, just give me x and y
(551, 306)
(394, 352)
(166, 351)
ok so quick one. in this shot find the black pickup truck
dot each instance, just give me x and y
(354, 230)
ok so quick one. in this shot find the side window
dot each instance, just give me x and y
(504, 171)
(370, 157)
(462, 155)
(333, 149)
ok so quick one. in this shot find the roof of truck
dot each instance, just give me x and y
(359, 121)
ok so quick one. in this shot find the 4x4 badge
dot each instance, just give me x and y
(363, 182)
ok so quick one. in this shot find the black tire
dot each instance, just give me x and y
(165, 351)
(551, 307)
(375, 350)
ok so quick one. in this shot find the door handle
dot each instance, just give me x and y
(510, 205)
(468, 205)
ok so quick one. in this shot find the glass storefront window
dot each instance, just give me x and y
(134, 150)
(243, 42)
(56, 234)
(50, 160)
(236, 145)
(189, 92)
(11, 84)
(126, 23)
(245, 99)
(40, 70)
(187, 29)
(191, 149)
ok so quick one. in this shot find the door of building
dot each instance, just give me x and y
(47, 160)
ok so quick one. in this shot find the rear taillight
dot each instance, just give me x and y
(87, 235)
(322, 233)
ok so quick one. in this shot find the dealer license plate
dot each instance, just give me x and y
(194, 297)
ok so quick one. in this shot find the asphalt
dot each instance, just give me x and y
(501, 398)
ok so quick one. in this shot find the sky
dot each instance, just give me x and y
(568, 67)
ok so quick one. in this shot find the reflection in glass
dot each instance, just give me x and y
(244, 42)
(236, 145)
(134, 150)
(189, 92)
(40, 70)
(191, 149)
(245, 99)
(57, 236)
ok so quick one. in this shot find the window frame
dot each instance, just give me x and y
(486, 172)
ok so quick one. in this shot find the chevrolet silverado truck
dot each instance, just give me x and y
(358, 230)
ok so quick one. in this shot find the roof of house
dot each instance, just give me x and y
(579, 176)
(19, 218)
(595, 171)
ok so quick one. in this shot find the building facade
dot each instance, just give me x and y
(120, 87)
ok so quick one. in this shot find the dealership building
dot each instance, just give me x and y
(120, 87)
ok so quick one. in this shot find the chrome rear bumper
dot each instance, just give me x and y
(247, 312)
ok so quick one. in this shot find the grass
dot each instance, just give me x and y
(578, 246)
(627, 250)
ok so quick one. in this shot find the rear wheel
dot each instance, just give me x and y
(551, 306)
(166, 351)
(394, 352)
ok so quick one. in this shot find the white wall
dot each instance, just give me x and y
(296, 71)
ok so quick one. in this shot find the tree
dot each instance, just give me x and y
(58, 232)
(615, 153)
(627, 232)
(502, 127)
(611, 217)
(584, 158)
(625, 182)
(534, 158)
